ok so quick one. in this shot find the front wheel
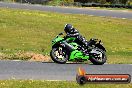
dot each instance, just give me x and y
(59, 55)
(98, 56)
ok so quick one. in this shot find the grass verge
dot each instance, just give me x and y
(26, 30)
(55, 84)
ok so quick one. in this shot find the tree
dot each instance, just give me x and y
(69, 1)
(102, 1)
(123, 1)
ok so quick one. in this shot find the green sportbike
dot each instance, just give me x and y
(66, 49)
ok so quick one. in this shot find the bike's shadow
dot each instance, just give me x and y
(71, 63)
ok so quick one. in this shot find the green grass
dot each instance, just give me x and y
(26, 30)
(55, 84)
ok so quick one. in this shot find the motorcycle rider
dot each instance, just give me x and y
(72, 32)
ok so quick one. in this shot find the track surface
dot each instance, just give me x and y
(117, 14)
(53, 71)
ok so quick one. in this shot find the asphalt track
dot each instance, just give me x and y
(109, 13)
(53, 71)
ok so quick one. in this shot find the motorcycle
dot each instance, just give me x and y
(66, 49)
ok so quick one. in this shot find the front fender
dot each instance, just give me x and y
(55, 45)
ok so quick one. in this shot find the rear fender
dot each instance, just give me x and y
(100, 46)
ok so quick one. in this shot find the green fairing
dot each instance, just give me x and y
(57, 39)
(77, 55)
(71, 39)
(74, 44)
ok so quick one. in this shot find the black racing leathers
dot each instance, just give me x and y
(79, 38)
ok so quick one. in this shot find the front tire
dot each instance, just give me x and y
(57, 58)
(98, 56)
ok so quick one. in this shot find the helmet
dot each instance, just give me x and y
(68, 28)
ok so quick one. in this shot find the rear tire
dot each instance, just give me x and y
(95, 60)
(56, 59)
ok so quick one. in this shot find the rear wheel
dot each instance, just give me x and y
(59, 55)
(98, 56)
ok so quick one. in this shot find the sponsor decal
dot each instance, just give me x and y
(83, 78)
